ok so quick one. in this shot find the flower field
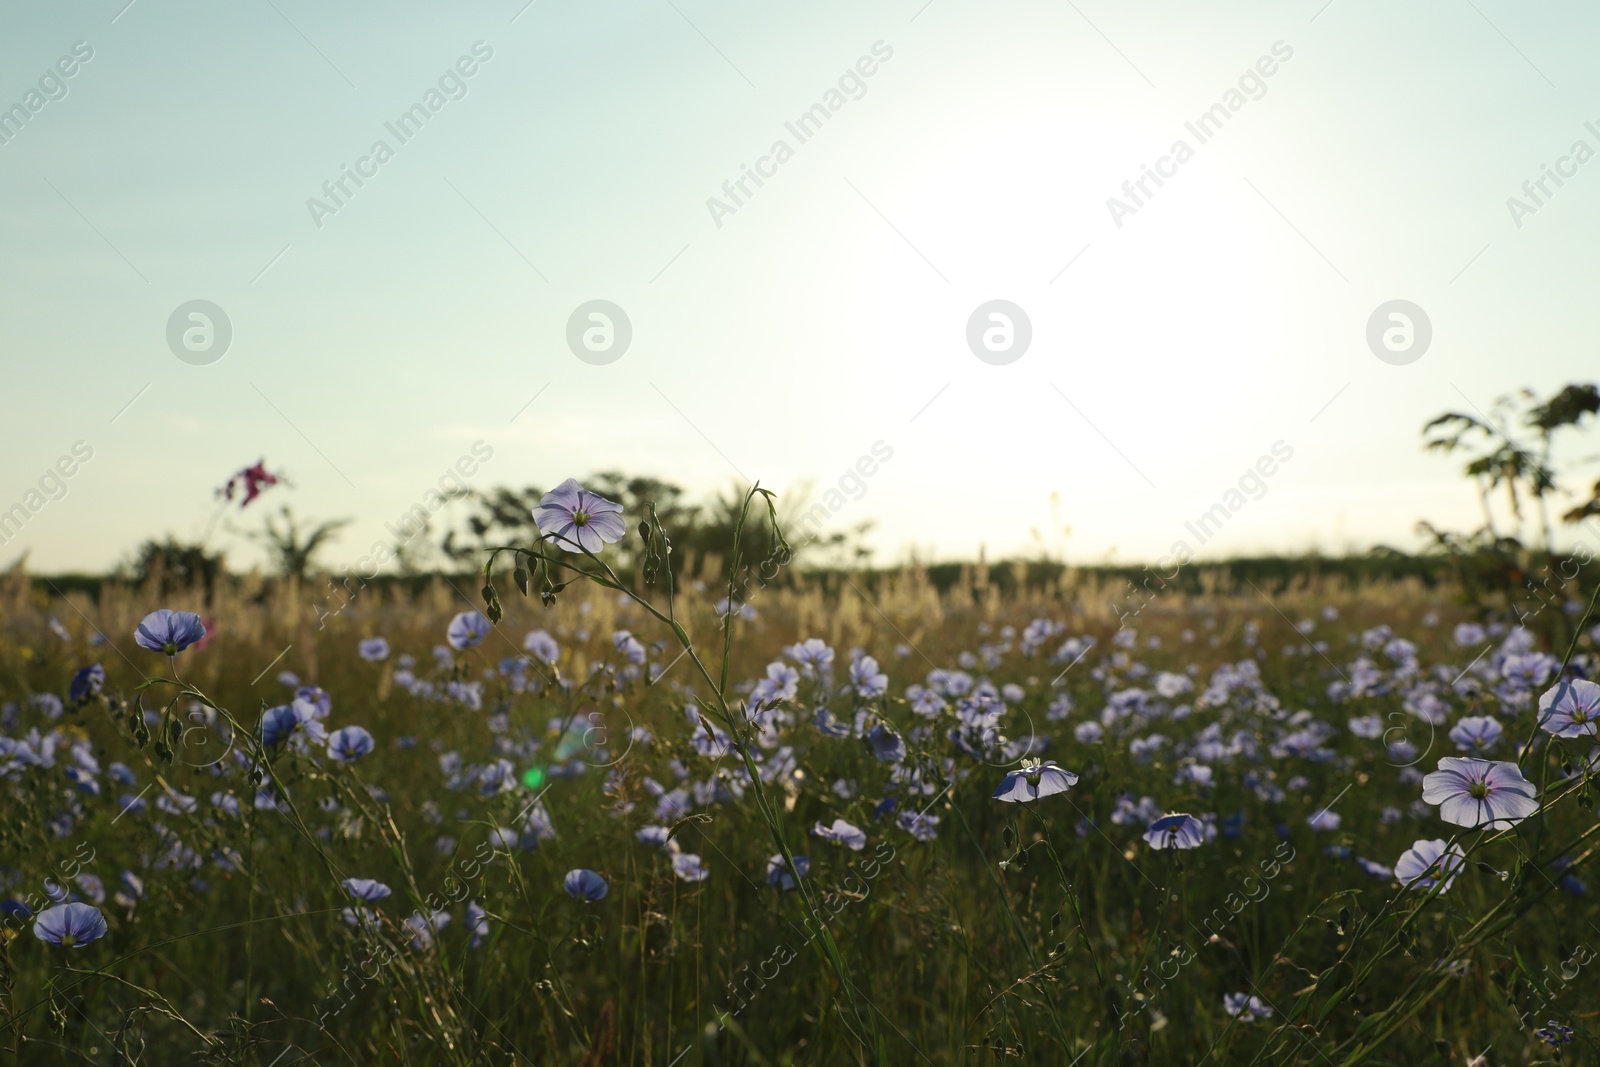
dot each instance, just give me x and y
(791, 819)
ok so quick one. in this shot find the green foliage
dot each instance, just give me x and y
(294, 543)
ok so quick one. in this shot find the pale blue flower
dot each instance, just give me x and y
(1177, 830)
(842, 833)
(585, 885)
(467, 630)
(349, 744)
(1034, 780)
(71, 925)
(579, 520)
(169, 632)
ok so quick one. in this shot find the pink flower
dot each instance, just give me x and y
(251, 480)
(1479, 792)
(577, 519)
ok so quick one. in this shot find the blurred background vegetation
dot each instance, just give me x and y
(1525, 458)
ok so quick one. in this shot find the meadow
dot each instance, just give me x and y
(664, 816)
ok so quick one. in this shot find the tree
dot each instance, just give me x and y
(173, 565)
(1515, 452)
(293, 543)
(1507, 460)
(504, 516)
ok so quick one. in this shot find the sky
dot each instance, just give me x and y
(958, 154)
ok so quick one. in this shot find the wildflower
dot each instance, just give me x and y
(868, 680)
(422, 928)
(842, 833)
(349, 744)
(1474, 792)
(585, 885)
(778, 875)
(169, 632)
(886, 744)
(1554, 1034)
(1369, 726)
(373, 649)
(1036, 779)
(654, 835)
(1177, 830)
(252, 481)
(365, 889)
(1427, 864)
(1571, 883)
(1571, 709)
(688, 866)
(317, 701)
(542, 645)
(1377, 870)
(477, 923)
(577, 519)
(1324, 819)
(364, 918)
(87, 683)
(1476, 733)
(918, 824)
(84, 780)
(176, 803)
(673, 805)
(466, 630)
(92, 887)
(70, 925)
(1170, 685)
(280, 723)
(630, 647)
(1402, 753)
(813, 655)
(1245, 1008)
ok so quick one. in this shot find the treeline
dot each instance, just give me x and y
(1007, 576)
